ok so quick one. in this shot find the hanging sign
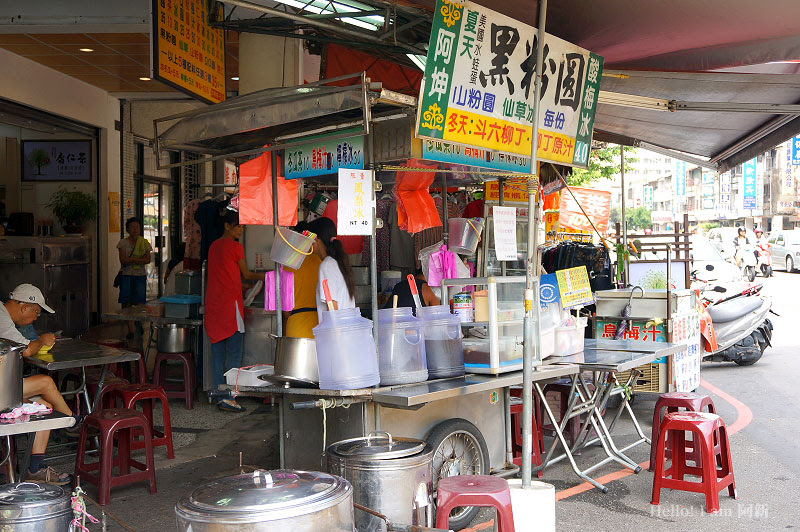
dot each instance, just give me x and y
(749, 184)
(187, 53)
(355, 206)
(323, 155)
(515, 191)
(478, 88)
(796, 151)
(596, 203)
(573, 284)
(680, 178)
(446, 152)
(648, 196)
(548, 289)
(505, 232)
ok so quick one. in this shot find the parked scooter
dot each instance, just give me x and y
(735, 328)
(746, 260)
(764, 264)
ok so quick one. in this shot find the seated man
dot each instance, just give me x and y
(21, 310)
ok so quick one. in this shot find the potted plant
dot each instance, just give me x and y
(73, 209)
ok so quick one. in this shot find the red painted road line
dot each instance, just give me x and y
(743, 418)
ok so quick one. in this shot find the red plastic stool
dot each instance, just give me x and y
(716, 469)
(672, 402)
(536, 430)
(128, 395)
(115, 422)
(474, 490)
(185, 392)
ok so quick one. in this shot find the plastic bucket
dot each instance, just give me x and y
(443, 349)
(346, 353)
(464, 235)
(401, 347)
(290, 248)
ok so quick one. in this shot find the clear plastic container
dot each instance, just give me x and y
(569, 340)
(346, 351)
(464, 235)
(401, 347)
(443, 349)
(290, 248)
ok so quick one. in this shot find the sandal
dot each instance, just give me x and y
(229, 405)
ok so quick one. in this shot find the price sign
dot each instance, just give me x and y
(573, 284)
(505, 232)
(355, 205)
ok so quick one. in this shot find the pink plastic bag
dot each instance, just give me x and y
(287, 291)
(442, 265)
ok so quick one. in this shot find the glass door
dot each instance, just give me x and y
(156, 216)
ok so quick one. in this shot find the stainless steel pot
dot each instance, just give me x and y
(269, 501)
(295, 361)
(174, 339)
(34, 507)
(392, 476)
(10, 374)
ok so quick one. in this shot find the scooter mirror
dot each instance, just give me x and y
(720, 289)
(710, 267)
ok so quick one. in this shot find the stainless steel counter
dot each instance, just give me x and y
(26, 424)
(661, 348)
(69, 354)
(130, 314)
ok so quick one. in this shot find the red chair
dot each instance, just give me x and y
(474, 490)
(672, 402)
(115, 422)
(127, 396)
(716, 469)
(184, 391)
(536, 431)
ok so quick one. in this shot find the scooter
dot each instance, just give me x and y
(764, 264)
(746, 259)
(735, 328)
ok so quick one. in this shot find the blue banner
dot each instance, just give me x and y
(323, 156)
(749, 184)
(796, 151)
(680, 178)
(548, 290)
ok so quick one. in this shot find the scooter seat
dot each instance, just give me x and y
(734, 309)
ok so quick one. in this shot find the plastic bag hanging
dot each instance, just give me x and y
(416, 210)
(255, 193)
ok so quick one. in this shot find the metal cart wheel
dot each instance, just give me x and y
(459, 448)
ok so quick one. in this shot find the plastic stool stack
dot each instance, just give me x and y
(672, 402)
(474, 490)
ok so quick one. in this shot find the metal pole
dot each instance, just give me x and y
(275, 237)
(531, 327)
(624, 221)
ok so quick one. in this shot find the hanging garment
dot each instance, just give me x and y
(191, 230)
(287, 291)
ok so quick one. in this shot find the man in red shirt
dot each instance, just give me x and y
(224, 305)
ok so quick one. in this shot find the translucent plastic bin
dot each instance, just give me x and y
(346, 353)
(401, 347)
(290, 248)
(443, 349)
(569, 340)
(465, 233)
(248, 377)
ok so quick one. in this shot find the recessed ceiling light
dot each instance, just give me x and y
(235, 78)
(144, 78)
(87, 49)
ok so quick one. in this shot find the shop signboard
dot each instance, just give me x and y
(548, 290)
(596, 203)
(515, 191)
(355, 206)
(56, 160)
(187, 53)
(679, 179)
(323, 155)
(796, 151)
(447, 152)
(478, 88)
(647, 193)
(788, 177)
(749, 184)
(574, 287)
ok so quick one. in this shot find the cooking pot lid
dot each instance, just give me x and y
(30, 494)
(265, 491)
(378, 446)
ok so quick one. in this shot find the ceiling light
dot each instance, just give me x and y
(86, 49)
(235, 78)
(323, 7)
(418, 60)
(144, 78)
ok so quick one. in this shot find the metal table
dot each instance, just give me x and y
(27, 424)
(604, 358)
(74, 354)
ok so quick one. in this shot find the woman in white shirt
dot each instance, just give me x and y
(335, 267)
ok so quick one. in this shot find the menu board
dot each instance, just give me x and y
(573, 284)
(478, 88)
(188, 54)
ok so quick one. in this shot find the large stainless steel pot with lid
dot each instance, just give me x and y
(34, 507)
(269, 501)
(10, 374)
(392, 476)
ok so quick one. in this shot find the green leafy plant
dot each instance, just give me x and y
(73, 208)
(603, 164)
